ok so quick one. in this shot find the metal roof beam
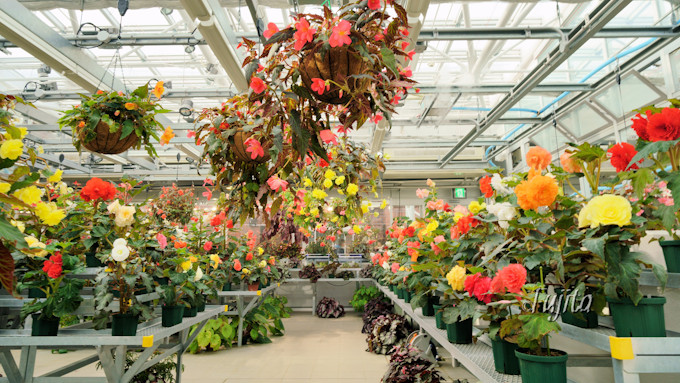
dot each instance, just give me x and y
(595, 21)
(523, 33)
(26, 30)
(68, 163)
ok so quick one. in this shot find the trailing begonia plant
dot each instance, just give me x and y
(174, 205)
(113, 122)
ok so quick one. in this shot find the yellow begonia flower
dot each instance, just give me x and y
(215, 260)
(19, 225)
(4, 187)
(307, 182)
(329, 174)
(456, 278)
(457, 216)
(29, 195)
(319, 194)
(475, 207)
(49, 214)
(340, 180)
(260, 250)
(314, 212)
(125, 216)
(33, 243)
(41, 150)
(334, 219)
(341, 192)
(327, 183)
(245, 271)
(356, 229)
(376, 214)
(383, 204)
(605, 210)
(402, 268)
(364, 208)
(262, 264)
(186, 265)
(433, 225)
(352, 189)
(11, 149)
(56, 177)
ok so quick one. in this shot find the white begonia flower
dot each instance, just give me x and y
(498, 184)
(113, 207)
(120, 253)
(386, 265)
(503, 211)
(199, 275)
(125, 216)
(63, 188)
(120, 242)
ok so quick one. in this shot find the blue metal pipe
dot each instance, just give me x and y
(565, 94)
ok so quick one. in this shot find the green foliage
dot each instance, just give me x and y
(161, 372)
(260, 323)
(362, 295)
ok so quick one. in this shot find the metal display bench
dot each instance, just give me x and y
(110, 350)
(357, 281)
(253, 297)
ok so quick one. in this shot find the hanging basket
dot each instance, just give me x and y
(238, 147)
(337, 65)
(106, 142)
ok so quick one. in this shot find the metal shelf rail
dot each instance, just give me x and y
(253, 297)
(328, 280)
(110, 350)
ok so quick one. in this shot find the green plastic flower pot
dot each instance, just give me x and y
(504, 357)
(587, 319)
(393, 288)
(35, 292)
(407, 296)
(45, 326)
(671, 252)
(438, 313)
(190, 311)
(172, 315)
(226, 287)
(428, 308)
(541, 369)
(200, 306)
(644, 320)
(460, 332)
(124, 324)
(401, 293)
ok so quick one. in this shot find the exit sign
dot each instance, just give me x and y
(459, 193)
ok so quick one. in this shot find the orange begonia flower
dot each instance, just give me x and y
(536, 192)
(167, 136)
(130, 106)
(538, 158)
(158, 90)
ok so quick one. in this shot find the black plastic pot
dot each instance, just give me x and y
(91, 260)
(45, 326)
(226, 287)
(504, 358)
(671, 253)
(407, 296)
(644, 320)
(190, 311)
(438, 314)
(541, 369)
(200, 305)
(124, 324)
(460, 332)
(161, 281)
(428, 308)
(172, 315)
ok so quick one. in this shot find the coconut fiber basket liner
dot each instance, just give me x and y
(336, 64)
(107, 142)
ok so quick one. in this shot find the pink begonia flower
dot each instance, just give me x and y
(328, 137)
(439, 238)
(276, 183)
(271, 29)
(303, 34)
(395, 267)
(422, 193)
(374, 4)
(257, 85)
(254, 147)
(340, 34)
(319, 85)
(162, 240)
(461, 209)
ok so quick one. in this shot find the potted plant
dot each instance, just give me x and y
(180, 270)
(658, 141)
(407, 365)
(111, 123)
(174, 205)
(123, 277)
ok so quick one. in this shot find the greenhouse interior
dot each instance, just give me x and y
(339, 191)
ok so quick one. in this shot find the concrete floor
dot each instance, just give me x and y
(313, 350)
